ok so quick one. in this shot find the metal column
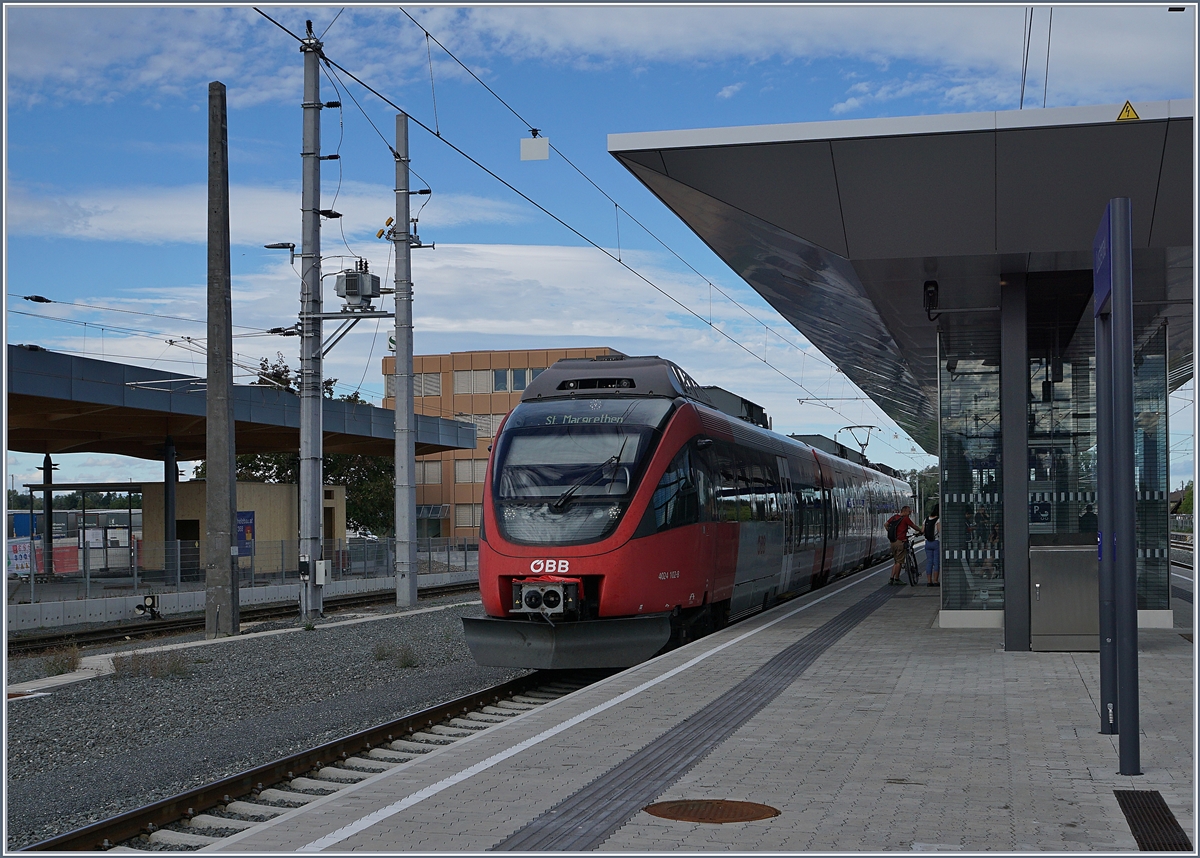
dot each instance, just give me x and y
(170, 480)
(47, 470)
(406, 493)
(1109, 712)
(1014, 460)
(1124, 487)
(311, 506)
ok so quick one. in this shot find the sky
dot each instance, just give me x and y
(106, 129)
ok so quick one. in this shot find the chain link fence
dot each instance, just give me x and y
(172, 567)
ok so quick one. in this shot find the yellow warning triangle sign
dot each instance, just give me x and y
(1127, 112)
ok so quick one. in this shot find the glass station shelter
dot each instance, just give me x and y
(841, 225)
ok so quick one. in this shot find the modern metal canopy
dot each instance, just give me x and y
(838, 224)
(59, 403)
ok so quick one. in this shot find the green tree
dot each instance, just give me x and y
(1185, 505)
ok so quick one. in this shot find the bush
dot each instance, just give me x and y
(400, 656)
(405, 657)
(62, 660)
(156, 665)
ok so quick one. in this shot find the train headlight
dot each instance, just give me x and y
(545, 597)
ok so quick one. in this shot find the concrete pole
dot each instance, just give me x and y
(311, 505)
(406, 492)
(1109, 713)
(220, 506)
(1124, 486)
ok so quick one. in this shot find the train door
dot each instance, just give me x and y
(788, 513)
(825, 481)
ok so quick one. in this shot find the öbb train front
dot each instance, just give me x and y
(621, 512)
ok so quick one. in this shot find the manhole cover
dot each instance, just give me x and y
(711, 810)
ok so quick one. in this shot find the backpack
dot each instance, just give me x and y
(893, 524)
(931, 529)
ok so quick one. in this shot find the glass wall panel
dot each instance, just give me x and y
(1150, 459)
(1062, 410)
(972, 523)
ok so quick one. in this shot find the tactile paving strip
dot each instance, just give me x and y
(585, 820)
(1153, 825)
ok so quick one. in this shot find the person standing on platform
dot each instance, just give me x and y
(1089, 522)
(898, 527)
(933, 547)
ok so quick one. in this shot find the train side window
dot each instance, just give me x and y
(726, 487)
(769, 489)
(676, 499)
(745, 509)
(704, 470)
(754, 488)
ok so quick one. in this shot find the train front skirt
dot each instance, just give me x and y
(591, 643)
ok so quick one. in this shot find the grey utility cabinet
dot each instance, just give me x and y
(1064, 598)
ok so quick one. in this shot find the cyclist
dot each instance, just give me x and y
(898, 527)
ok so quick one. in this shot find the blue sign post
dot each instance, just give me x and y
(245, 533)
(1113, 298)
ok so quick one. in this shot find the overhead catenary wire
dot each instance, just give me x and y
(621, 209)
(432, 90)
(38, 299)
(579, 234)
(1046, 74)
(561, 221)
(1027, 36)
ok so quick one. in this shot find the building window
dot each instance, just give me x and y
(433, 511)
(472, 381)
(500, 380)
(429, 472)
(468, 514)
(470, 470)
(427, 384)
(424, 384)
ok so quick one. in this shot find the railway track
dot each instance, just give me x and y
(174, 625)
(206, 815)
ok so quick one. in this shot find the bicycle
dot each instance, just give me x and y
(909, 564)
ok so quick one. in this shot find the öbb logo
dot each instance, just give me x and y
(550, 567)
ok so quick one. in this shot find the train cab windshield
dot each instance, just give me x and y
(565, 470)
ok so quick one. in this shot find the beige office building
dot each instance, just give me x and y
(475, 387)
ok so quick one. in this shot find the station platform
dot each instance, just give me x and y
(847, 710)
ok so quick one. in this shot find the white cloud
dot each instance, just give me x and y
(258, 214)
(1099, 53)
(731, 90)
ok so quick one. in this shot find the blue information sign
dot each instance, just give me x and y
(245, 533)
(1102, 262)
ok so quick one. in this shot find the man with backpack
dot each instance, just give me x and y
(933, 536)
(898, 527)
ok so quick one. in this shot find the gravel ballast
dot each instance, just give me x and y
(103, 746)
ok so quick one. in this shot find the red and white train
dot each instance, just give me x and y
(622, 512)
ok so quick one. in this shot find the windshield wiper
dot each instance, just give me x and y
(560, 504)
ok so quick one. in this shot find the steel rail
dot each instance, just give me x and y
(109, 832)
(146, 628)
